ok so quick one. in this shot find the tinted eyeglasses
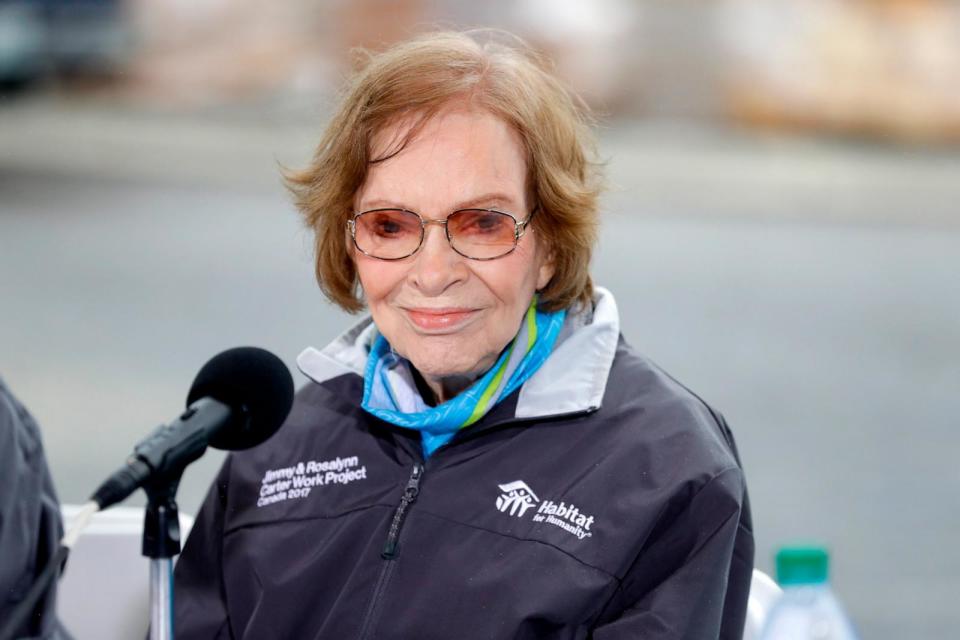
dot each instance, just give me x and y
(478, 234)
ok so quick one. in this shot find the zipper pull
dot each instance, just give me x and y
(413, 484)
(410, 493)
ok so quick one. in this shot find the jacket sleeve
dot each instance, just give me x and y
(692, 577)
(30, 523)
(200, 609)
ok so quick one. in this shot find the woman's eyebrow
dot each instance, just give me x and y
(378, 203)
(494, 199)
(486, 200)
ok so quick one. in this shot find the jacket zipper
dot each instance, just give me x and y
(391, 548)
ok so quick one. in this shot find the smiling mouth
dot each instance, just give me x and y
(440, 320)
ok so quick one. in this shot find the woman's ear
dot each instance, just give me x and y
(546, 270)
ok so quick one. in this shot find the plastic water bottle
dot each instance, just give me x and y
(808, 609)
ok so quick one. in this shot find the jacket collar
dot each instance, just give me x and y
(572, 380)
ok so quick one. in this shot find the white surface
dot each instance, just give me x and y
(764, 593)
(105, 590)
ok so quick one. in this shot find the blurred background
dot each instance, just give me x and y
(782, 233)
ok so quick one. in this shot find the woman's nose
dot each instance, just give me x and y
(436, 265)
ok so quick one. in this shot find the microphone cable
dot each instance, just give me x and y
(20, 614)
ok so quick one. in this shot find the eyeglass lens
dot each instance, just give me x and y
(391, 234)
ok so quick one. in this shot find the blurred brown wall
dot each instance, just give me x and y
(865, 67)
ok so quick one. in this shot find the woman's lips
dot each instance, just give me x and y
(440, 319)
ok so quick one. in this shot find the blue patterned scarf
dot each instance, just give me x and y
(390, 392)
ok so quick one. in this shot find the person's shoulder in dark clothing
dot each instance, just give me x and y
(30, 523)
(680, 437)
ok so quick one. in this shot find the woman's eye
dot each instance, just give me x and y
(387, 228)
(488, 223)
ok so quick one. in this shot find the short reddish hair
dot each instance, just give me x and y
(416, 79)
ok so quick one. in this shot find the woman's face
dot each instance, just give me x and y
(449, 315)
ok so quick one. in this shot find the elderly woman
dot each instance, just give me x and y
(483, 456)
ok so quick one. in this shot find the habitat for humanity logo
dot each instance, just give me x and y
(516, 498)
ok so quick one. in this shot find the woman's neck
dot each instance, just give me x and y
(436, 391)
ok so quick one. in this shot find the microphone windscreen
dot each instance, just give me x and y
(255, 384)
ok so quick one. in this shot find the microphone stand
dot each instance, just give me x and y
(161, 542)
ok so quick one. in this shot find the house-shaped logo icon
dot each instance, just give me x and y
(516, 498)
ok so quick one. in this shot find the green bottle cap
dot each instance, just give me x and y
(802, 565)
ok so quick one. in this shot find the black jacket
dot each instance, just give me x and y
(555, 516)
(30, 525)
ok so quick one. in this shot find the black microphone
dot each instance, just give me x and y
(238, 399)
